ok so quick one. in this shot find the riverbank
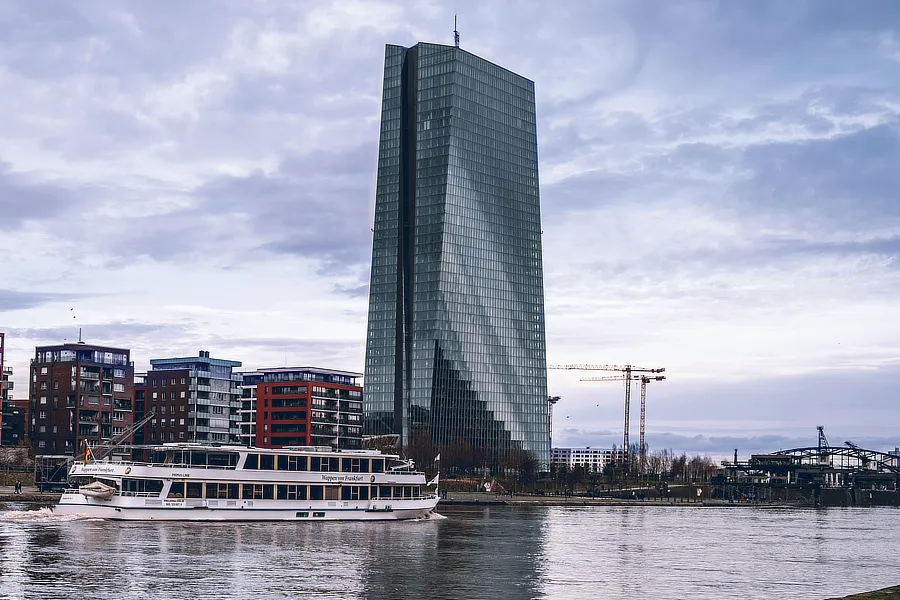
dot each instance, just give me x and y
(483, 499)
(891, 593)
(29, 494)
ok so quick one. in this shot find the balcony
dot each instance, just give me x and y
(325, 431)
(325, 404)
(90, 375)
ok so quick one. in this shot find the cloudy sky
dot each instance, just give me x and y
(720, 194)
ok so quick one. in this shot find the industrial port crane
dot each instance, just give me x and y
(628, 375)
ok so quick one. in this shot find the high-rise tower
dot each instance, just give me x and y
(455, 354)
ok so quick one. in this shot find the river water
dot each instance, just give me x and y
(472, 552)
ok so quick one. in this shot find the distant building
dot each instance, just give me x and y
(140, 397)
(248, 407)
(5, 377)
(194, 399)
(308, 406)
(79, 393)
(14, 423)
(592, 459)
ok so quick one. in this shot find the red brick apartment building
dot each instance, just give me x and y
(79, 393)
(308, 406)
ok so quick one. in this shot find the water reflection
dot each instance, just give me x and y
(497, 553)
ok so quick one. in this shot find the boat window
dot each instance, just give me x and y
(354, 465)
(302, 515)
(142, 486)
(222, 490)
(315, 492)
(384, 491)
(197, 459)
(324, 464)
(290, 492)
(318, 514)
(247, 491)
(252, 461)
(354, 492)
(222, 459)
(332, 492)
(266, 462)
(398, 491)
(194, 490)
(378, 465)
(176, 490)
(291, 463)
(407, 491)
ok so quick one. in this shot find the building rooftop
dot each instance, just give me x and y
(315, 370)
(202, 357)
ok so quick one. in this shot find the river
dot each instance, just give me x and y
(471, 552)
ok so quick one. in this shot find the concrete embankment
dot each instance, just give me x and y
(29, 494)
(479, 499)
(891, 593)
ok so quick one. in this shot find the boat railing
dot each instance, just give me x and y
(173, 465)
(140, 494)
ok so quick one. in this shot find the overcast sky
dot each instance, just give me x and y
(719, 181)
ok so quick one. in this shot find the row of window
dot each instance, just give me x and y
(155, 382)
(324, 464)
(265, 491)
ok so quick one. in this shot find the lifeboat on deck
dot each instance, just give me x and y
(97, 490)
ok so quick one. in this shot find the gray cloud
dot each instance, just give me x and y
(98, 333)
(314, 206)
(29, 197)
(19, 300)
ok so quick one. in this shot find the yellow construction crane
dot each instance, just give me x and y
(628, 375)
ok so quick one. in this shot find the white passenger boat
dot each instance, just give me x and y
(194, 482)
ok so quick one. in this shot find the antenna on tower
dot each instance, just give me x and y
(455, 33)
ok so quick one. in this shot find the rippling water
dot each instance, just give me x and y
(497, 553)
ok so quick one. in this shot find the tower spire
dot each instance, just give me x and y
(455, 33)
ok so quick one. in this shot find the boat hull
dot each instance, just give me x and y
(137, 509)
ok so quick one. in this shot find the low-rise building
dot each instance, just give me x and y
(140, 398)
(592, 459)
(308, 406)
(195, 399)
(248, 407)
(14, 423)
(79, 393)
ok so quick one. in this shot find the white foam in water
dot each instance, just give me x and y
(41, 515)
(432, 517)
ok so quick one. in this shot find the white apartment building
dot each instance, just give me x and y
(592, 459)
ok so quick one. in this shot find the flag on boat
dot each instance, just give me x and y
(435, 480)
(487, 486)
(87, 453)
(438, 457)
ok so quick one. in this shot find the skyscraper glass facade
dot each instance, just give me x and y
(455, 352)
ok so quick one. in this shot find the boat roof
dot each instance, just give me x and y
(285, 450)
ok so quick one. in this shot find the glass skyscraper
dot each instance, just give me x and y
(456, 350)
